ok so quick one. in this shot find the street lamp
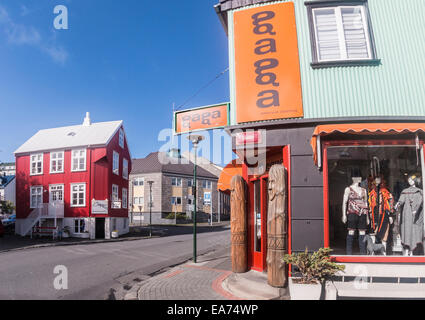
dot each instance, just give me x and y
(195, 139)
(150, 208)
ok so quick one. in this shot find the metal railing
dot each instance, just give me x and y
(44, 210)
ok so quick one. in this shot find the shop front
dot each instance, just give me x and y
(352, 186)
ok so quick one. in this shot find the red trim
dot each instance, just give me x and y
(386, 259)
(359, 259)
(287, 165)
(325, 198)
(250, 226)
(264, 221)
(375, 142)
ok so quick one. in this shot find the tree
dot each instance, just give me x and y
(7, 207)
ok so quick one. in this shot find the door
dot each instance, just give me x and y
(259, 224)
(56, 200)
(100, 228)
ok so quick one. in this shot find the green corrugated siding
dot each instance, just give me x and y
(394, 88)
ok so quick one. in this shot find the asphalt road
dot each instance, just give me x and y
(95, 268)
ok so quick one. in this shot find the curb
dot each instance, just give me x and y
(47, 245)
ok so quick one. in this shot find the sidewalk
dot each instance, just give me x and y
(209, 279)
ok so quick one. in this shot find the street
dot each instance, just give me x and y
(96, 268)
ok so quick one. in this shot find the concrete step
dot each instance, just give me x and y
(251, 285)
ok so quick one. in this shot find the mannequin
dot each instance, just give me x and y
(355, 213)
(381, 205)
(411, 227)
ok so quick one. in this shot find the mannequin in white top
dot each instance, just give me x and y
(354, 214)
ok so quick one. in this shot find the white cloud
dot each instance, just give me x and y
(20, 34)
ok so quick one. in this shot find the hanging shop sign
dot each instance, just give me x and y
(267, 68)
(99, 206)
(208, 117)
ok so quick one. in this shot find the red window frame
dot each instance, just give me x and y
(360, 259)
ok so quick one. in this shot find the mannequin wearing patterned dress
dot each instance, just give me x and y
(355, 214)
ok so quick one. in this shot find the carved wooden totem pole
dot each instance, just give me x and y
(238, 224)
(276, 226)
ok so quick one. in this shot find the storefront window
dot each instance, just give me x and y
(375, 200)
(257, 216)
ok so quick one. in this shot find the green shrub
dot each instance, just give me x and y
(180, 215)
(6, 207)
(314, 267)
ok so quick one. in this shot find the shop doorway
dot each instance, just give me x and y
(258, 223)
(100, 228)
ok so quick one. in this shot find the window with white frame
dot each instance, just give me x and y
(206, 184)
(176, 200)
(139, 181)
(36, 197)
(138, 201)
(56, 192)
(115, 197)
(177, 182)
(78, 160)
(189, 182)
(78, 194)
(124, 197)
(121, 138)
(341, 33)
(79, 225)
(116, 163)
(36, 164)
(125, 168)
(56, 162)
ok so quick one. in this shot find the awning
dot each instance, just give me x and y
(363, 128)
(232, 169)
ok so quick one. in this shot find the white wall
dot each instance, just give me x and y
(10, 192)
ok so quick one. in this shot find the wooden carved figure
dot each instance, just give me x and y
(238, 224)
(276, 226)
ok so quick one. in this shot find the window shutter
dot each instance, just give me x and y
(327, 35)
(354, 32)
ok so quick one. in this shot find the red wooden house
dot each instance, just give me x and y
(75, 180)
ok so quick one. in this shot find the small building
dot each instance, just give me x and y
(7, 169)
(172, 177)
(8, 189)
(74, 178)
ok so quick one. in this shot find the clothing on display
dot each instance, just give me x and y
(381, 205)
(411, 219)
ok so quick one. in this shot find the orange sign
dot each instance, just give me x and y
(267, 67)
(202, 118)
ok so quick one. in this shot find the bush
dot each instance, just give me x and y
(6, 207)
(315, 267)
(180, 216)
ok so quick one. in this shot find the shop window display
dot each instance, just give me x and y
(375, 200)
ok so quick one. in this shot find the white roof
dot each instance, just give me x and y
(98, 133)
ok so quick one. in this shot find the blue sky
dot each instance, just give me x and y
(121, 60)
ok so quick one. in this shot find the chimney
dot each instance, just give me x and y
(87, 120)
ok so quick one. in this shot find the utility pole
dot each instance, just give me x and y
(195, 139)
